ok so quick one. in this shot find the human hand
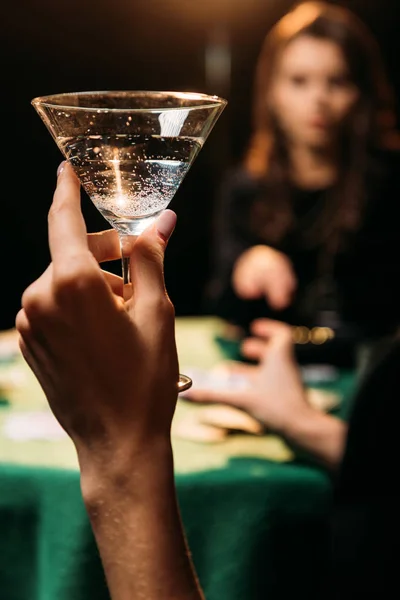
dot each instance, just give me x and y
(262, 271)
(275, 393)
(109, 368)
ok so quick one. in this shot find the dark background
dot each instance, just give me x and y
(50, 47)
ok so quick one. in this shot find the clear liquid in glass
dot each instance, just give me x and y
(130, 178)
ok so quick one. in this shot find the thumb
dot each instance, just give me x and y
(147, 258)
(276, 336)
(277, 332)
(278, 298)
(279, 290)
(254, 348)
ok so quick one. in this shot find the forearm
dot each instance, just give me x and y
(136, 522)
(320, 435)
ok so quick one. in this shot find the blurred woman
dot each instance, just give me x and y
(306, 228)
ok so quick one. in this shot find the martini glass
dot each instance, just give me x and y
(131, 151)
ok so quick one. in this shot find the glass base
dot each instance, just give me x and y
(184, 383)
(134, 226)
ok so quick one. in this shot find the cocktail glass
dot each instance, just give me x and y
(131, 151)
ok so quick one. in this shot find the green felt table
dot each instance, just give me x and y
(255, 513)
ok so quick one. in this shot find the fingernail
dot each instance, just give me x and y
(166, 224)
(61, 168)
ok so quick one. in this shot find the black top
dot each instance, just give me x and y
(362, 285)
(366, 524)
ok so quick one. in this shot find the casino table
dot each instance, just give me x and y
(256, 513)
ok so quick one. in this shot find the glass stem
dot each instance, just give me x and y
(126, 244)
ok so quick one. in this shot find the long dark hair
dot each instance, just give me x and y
(370, 126)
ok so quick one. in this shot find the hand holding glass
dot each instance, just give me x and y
(131, 151)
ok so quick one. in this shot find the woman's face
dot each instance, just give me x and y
(311, 94)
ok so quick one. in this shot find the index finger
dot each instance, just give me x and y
(67, 229)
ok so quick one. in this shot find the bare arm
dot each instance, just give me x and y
(320, 435)
(109, 369)
(134, 514)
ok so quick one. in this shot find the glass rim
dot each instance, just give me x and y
(213, 101)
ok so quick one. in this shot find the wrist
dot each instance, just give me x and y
(122, 470)
(320, 435)
(299, 422)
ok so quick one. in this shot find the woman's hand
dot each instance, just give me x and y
(275, 394)
(109, 369)
(276, 397)
(261, 272)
